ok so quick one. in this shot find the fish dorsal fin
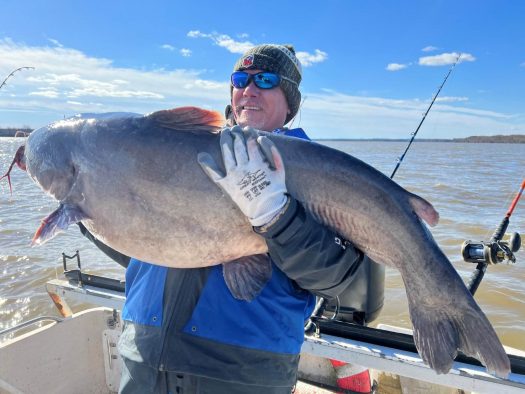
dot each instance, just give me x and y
(424, 210)
(188, 119)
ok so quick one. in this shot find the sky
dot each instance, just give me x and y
(370, 68)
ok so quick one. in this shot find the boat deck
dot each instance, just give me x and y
(80, 355)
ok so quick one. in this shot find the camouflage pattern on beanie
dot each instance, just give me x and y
(279, 59)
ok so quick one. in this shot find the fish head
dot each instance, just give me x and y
(48, 157)
(52, 152)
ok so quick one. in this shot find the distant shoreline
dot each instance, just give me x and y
(11, 132)
(505, 139)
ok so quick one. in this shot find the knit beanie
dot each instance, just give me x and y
(279, 59)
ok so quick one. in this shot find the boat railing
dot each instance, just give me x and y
(29, 323)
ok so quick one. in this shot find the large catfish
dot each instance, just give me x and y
(135, 182)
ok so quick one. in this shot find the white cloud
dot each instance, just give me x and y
(103, 90)
(201, 83)
(55, 42)
(450, 99)
(330, 114)
(224, 41)
(66, 79)
(194, 34)
(45, 93)
(240, 47)
(429, 48)
(395, 67)
(78, 86)
(307, 59)
(445, 59)
(185, 52)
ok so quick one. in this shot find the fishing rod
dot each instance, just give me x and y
(13, 73)
(400, 159)
(321, 302)
(494, 251)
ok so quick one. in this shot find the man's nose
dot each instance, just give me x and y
(251, 89)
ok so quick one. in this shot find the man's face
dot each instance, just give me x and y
(263, 109)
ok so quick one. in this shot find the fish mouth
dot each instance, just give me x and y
(57, 181)
(63, 182)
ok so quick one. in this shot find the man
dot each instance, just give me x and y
(184, 331)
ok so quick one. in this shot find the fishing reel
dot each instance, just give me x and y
(492, 252)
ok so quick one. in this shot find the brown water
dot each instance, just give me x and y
(471, 185)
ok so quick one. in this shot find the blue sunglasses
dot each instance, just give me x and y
(263, 80)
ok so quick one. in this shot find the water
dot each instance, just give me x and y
(471, 185)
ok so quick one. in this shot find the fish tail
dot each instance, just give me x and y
(440, 333)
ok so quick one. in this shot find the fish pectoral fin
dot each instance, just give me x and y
(57, 221)
(247, 276)
(424, 210)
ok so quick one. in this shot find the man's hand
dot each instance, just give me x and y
(254, 178)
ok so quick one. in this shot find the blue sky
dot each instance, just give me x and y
(370, 68)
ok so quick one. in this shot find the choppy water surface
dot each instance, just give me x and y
(471, 185)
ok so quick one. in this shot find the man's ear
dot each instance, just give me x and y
(230, 116)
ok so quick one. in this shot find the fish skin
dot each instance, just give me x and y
(138, 183)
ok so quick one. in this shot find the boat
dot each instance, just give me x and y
(77, 353)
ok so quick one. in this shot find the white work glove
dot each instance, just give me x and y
(254, 176)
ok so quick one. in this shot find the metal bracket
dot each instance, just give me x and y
(112, 359)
